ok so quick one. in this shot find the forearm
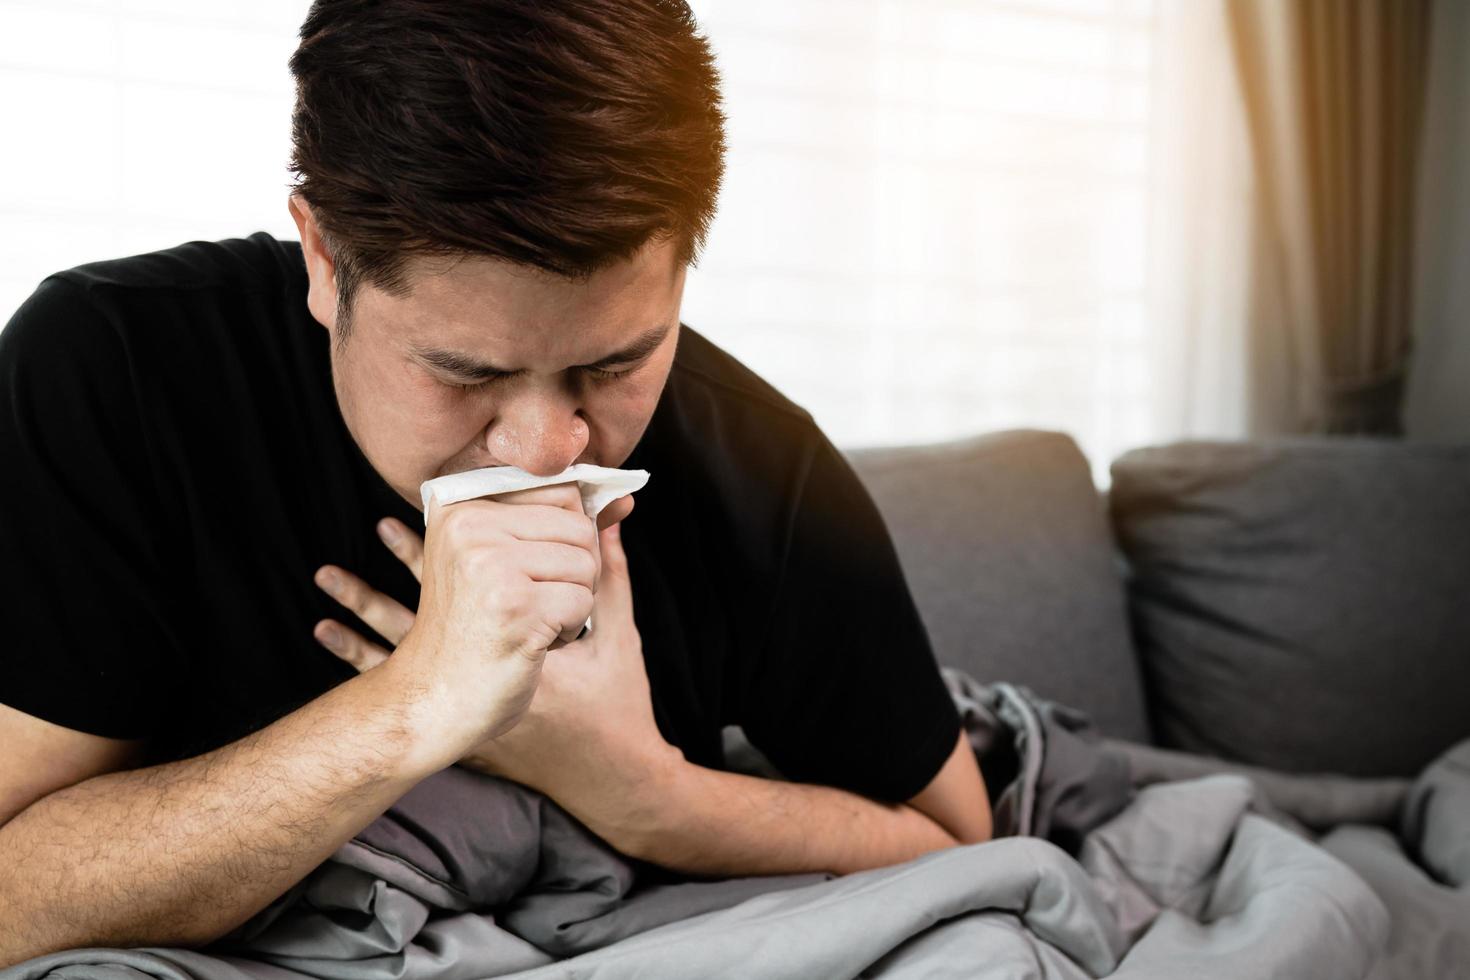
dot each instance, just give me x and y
(727, 824)
(182, 853)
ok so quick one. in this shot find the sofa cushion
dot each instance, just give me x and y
(1004, 543)
(1305, 603)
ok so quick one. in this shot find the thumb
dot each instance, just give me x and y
(614, 597)
(615, 511)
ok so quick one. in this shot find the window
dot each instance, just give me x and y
(936, 214)
(935, 222)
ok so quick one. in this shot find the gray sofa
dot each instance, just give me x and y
(1299, 604)
(1251, 587)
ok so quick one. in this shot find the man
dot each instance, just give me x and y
(497, 202)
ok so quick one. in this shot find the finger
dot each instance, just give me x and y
(493, 519)
(349, 645)
(613, 601)
(552, 561)
(611, 516)
(563, 495)
(565, 607)
(406, 546)
(385, 615)
(615, 511)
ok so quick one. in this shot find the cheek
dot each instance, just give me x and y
(419, 417)
(633, 399)
(440, 417)
(618, 417)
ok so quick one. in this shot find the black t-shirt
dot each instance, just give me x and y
(174, 468)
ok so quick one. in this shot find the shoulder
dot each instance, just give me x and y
(56, 331)
(732, 456)
(700, 364)
(732, 418)
(140, 290)
(255, 263)
(140, 307)
(763, 456)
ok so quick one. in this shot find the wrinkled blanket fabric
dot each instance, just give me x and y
(1111, 860)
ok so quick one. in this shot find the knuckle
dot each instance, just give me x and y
(514, 600)
(458, 519)
(348, 643)
(374, 606)
(349, 593)
(476, 563)
(355, 588)
(571, 497)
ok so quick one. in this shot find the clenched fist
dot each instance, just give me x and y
(504, 580)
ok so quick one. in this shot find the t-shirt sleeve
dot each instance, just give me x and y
(846, 692)
(87, 633)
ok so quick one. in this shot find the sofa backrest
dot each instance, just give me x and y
(1006, 549)
(1302, 604)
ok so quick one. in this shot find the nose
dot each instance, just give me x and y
(541, 432)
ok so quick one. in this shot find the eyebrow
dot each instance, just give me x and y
(465, 366)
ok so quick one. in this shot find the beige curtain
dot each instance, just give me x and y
(1201, 203)
(1334, 93)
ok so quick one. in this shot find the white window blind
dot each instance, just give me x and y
(935, 221)
(134, 125)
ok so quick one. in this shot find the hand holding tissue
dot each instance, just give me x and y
(492, 605)
(578, 726)
(598, 485)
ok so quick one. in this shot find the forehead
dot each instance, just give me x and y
(503, 311)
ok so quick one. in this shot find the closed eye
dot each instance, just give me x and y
(602, 374)
(597, 374)
(475, 385)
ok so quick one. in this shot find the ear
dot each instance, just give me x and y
(321, 297)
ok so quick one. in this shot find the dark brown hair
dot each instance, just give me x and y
(559, 134)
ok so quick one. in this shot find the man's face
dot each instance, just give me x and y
(582, 363)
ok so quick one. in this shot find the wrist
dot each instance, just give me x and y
(430, 738)
(650, 799)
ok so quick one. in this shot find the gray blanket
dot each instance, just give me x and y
(1115, 860)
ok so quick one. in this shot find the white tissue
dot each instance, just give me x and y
(599, 485)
